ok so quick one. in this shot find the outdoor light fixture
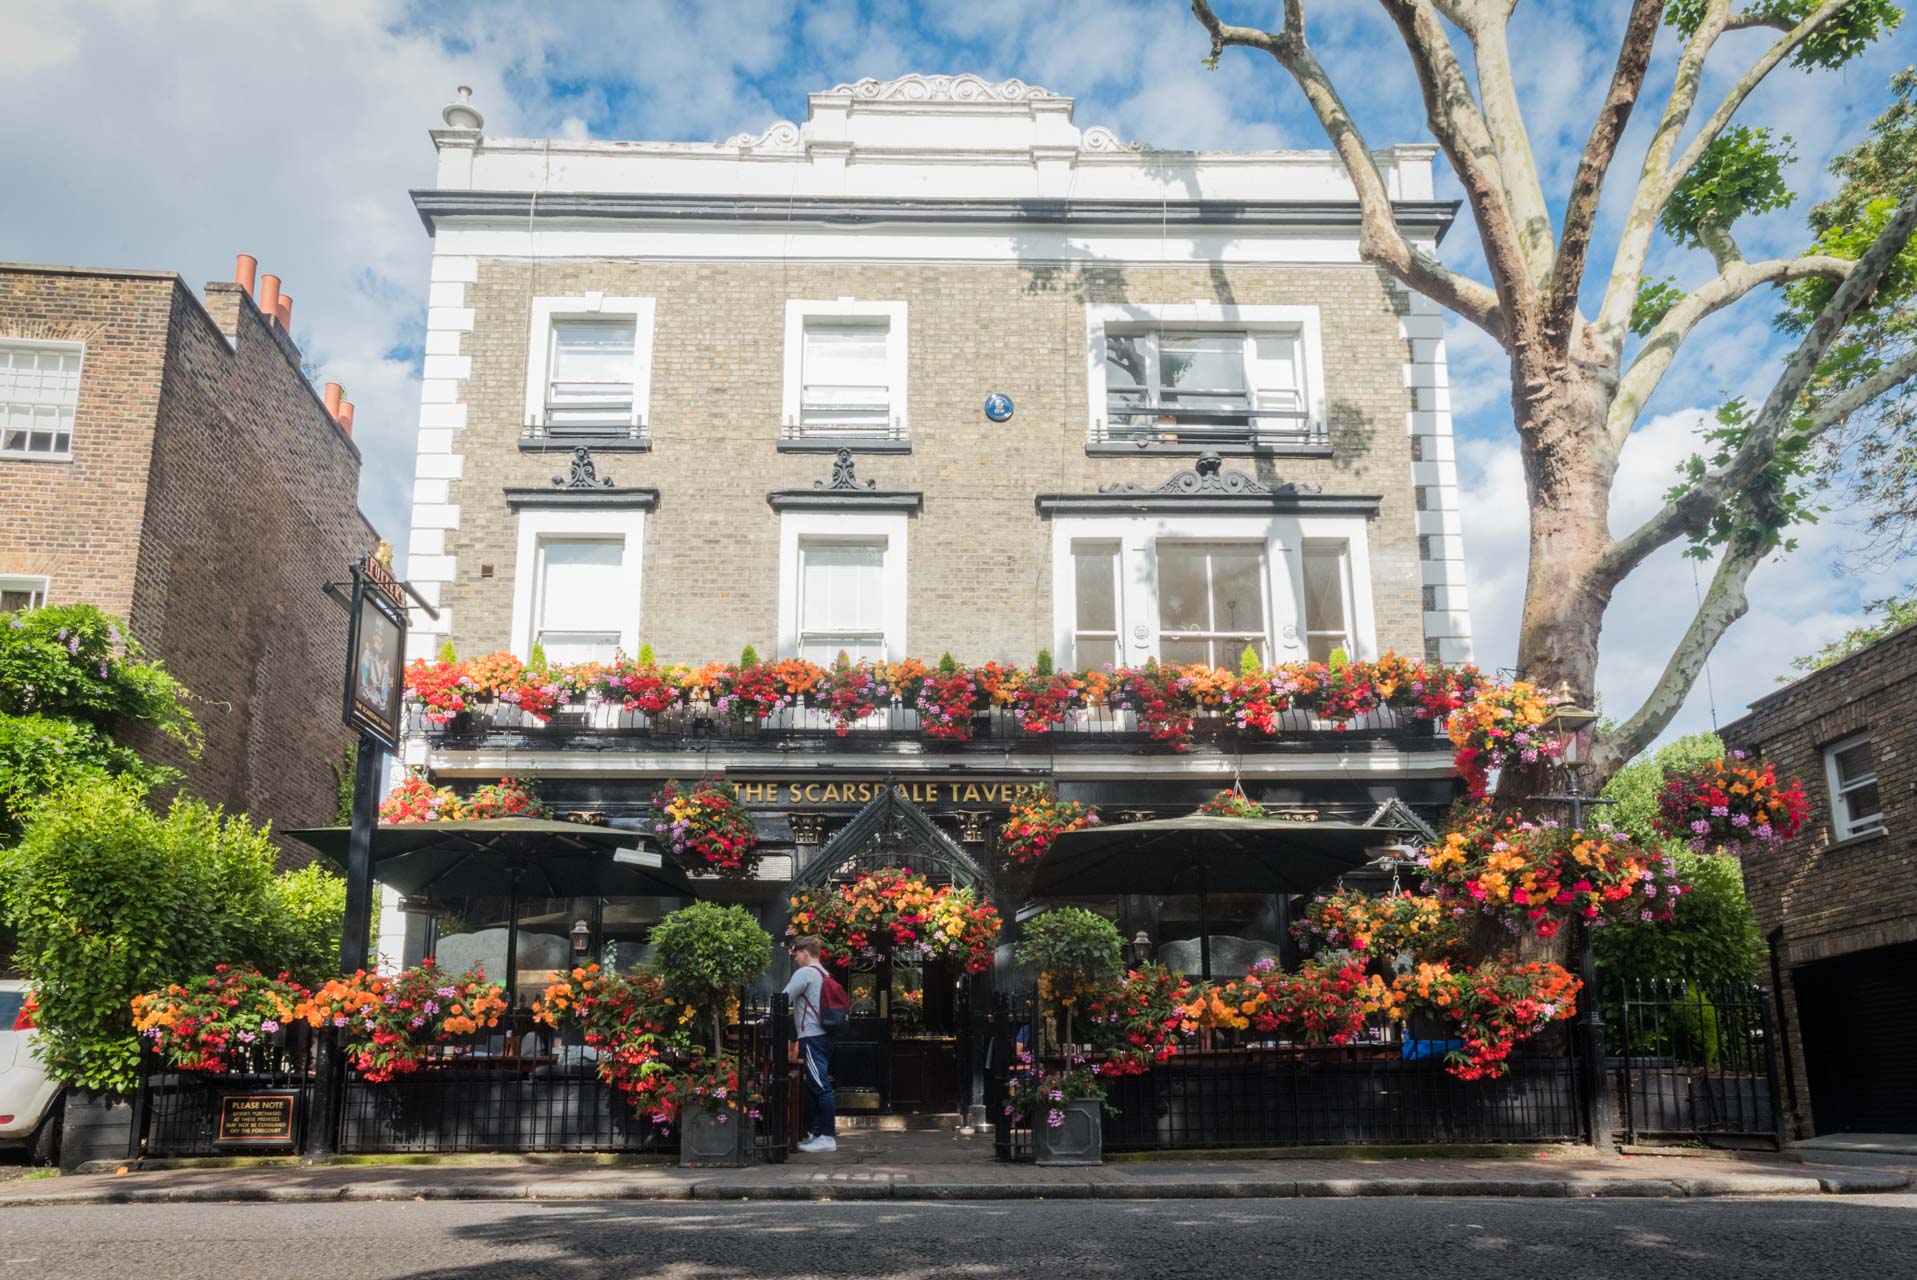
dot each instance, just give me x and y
(1139, 950)
(581, 937)
(1572, 726)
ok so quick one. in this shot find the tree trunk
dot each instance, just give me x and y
(1569, 466)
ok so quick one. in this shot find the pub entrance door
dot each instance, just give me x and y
(907, 1047)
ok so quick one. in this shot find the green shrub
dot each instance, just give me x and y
(1249, 663)
(308, 912)
(948, 665)
(1043, 667)
(109, 899)
(705, 953)
(645, 656)
(748, 658)
(447, 654)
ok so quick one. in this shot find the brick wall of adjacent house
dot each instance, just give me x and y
(232, 497)
(77, 522)
(1815, 896)
(979, 567)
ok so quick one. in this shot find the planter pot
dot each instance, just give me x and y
(97, 1126)
(714, 1139)
(1078, 1141)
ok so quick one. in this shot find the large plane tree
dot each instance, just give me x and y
(1579, 383)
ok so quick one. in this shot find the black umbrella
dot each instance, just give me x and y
(1204, 855)
(506, 858)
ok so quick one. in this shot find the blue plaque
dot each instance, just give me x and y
(998, 406)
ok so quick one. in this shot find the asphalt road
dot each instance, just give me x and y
(1388, 1239)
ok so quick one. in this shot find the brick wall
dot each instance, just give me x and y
(78, 522)
(1816, 896)
(209, 497)
(980, 556)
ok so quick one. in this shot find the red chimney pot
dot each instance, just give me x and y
(333, 392)
(285, 312)
(243, 268)
(269, 297)
(346, 416)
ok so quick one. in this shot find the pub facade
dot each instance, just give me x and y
(935, 371)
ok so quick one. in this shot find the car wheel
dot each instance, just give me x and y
(45, 1149)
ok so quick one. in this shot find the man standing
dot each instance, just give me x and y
(806, 992)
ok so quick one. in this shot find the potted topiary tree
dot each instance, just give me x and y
(1077, 953)
(704, 953)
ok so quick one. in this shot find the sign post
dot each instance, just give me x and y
(375, 685)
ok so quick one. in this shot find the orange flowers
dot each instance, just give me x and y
(390, 1023)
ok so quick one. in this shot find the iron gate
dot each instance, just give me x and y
(1695, 1061)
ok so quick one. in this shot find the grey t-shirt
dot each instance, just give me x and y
(804, 992)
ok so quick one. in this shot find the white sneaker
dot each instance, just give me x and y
(822, 1143)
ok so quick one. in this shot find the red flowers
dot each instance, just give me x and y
(1036, 821)
(706, 822)
(1730, 804)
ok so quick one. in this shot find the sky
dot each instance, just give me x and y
(175, 133)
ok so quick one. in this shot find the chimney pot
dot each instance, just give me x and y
(345, 418)
(333, 392)
(269, 297)
(244, 266)
(285, 312)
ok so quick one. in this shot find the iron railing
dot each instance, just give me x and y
(1694, 1061)
(177, 1113)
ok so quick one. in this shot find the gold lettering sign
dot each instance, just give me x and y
(257, 1119)
(793, 795)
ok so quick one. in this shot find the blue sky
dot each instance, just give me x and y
(292, 129)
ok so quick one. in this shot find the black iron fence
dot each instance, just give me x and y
(522, 1088)
(1694, 1061)
(179, 1113)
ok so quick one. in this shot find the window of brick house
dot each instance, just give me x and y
(17, 593)
(1327, 583)
(841, 600)
(1211, 602)
(576, 609)
(1856, 805)
(1212, 387)
(1096, 599)
(39, 391)
(589, 380)
(845, 374)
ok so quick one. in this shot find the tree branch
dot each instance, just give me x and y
(1723, 604)
(1841, 406)
(1580, 210)
(1459, 127)
(1660, 345)
(1486, 23)
(1379, 239)
(1690, 511)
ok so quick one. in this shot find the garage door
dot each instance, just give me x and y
(1857, 1015)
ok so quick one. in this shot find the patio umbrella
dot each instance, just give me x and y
(1204, 855)
(505, 858)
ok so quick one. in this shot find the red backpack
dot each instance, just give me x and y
(834, 1005)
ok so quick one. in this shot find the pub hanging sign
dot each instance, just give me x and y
(376, 650)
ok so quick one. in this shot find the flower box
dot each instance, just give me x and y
(1079, 1139)
(714, 1138)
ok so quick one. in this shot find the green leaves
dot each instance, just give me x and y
(1840, 38)
(1741, 172)
(1893, 615)
(1778, 497)
(1076, 950)
(705, 952)
(62, 662)
(1655, 298)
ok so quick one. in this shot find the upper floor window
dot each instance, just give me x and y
(842, 600)
(1211, 602)
(577, 614)
(1856, 806)
(1198, 376)
(1095, 633)
(589, 377)
(589, 369)
(845, 371)
(39, 391)
(17, 593)
(1327, 582)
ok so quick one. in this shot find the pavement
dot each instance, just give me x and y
(940, 1166)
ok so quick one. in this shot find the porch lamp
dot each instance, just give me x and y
(1138, 950)
(1572, 726)
(581, 937)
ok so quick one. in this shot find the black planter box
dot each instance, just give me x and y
(97, 1126)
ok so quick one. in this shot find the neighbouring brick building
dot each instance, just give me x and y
(1839, 903)
(937, 370)
(163, 457)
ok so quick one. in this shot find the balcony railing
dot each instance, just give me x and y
(1183, 427)
(1103, 728)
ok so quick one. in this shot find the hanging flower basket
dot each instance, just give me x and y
(1731, 804)
(892, 912)
(1036, 821)
(707, 825)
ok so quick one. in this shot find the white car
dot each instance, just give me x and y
(29, 1098)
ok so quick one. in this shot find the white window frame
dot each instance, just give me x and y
(800, 310)
(797, 527)
(1116, 550)
(1201, 316)
(534, 524)
(37, 584)
(590, 306)
(1212, 636)
(48, 344)
(1137, 537)
(1843, 825)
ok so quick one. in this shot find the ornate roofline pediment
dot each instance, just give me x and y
(1206, 486)
(965, 87)
(888, 832)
